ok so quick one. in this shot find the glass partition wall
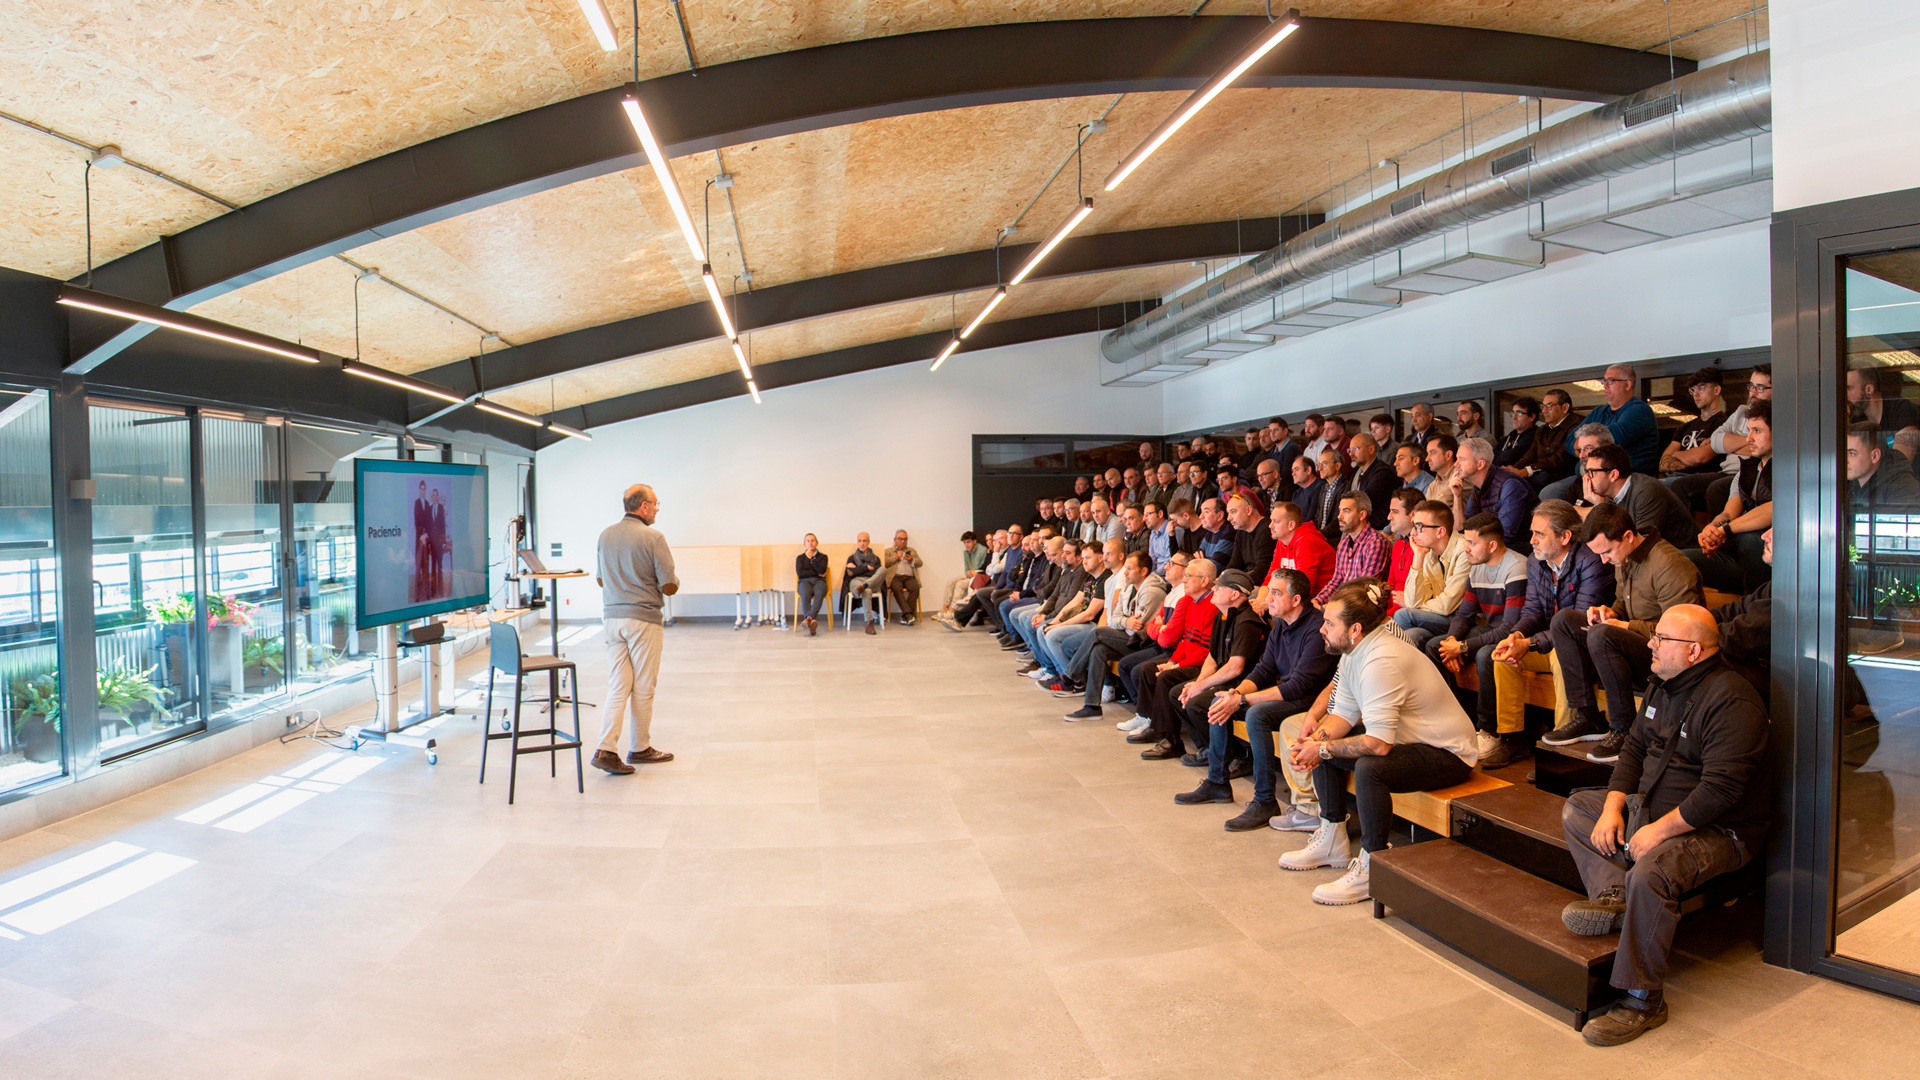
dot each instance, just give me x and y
(30, 743)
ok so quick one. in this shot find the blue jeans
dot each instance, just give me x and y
(1420, 625)
(1023, 627)
(1058, 644)
(1262, 719)
(1007, 606)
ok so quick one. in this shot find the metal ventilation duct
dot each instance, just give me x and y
(1708, 108)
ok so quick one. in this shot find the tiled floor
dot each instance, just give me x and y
(873, 858)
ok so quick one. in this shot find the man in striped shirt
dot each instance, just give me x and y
(1364, 551)
(1496, 590)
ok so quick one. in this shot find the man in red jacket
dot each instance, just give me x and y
(1296, 548)
(1189, 633)
(1400, 527)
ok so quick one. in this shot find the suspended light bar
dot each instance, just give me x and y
(1272, 36)
(944, 353)
(569, 432)
(999, 295)
(741, 355)
(1033, 261)
(754, 390)
(719, 304)
(512, 414)
(134, 311)
(668, 186)
(601, 22)
(391, 378)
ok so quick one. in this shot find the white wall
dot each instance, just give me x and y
(876, 451)
(1694, 294)
(1846, 99)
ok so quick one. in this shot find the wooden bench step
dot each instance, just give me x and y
(1501, 916)
(1561, 770)
(1520, 826)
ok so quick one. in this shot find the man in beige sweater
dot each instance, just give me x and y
(1438, 577)
(1610, 645)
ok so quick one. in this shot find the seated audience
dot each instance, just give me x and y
(1548, 459)
(1099, 487)
(1134, 597)
(1294, 667)
(1729, 440)
(902, 569)
(1746, 630)
(1877, 480)
(983, 578)
(1441, 451)
(1392, 725)
(1525, 414)
(1438, 578)
(1410, 468)
(1285, 449)
(1042, 514)
(1001, 578)
(1233, 647)
(1186, 638)
(1026, 620)
(1400, 507)
(1688, 802)
(1363, 552)
(1906, 443)
(1161, 542)
(1586, 439)
(858, 577)
(1273, 489)
(1184, 526)
(810, 570)
(1161, 490)
(1038, 574)
(1653, 506)
(1470, 421)
(1874, 398)
(1203, 485)
(974, 557)
(1727, 550)
(1420, 427)
(1252, 552)
(1153, 641)
(1148, 459)
(1371, 475)
(1214, 541)
(1186, 490)
(1564, 575)
(1308, 489)
(1089, 528)
(1298, 546)
(1607, 646)
(1131, 490)
(1333, 433)
(1629, 419)
(1333, 473)
(1479, 487)
(1312, 438)
(1133, 528)
(1688, 464)
(1496, 591)
(1384, 444)
(1227, 482)
(1082, 489)
(1062, 636)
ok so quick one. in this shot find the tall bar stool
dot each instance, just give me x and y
(504, 656)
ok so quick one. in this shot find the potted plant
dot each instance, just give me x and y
(36, 728)
(265, 661)
(1901, 599)
(121, 690)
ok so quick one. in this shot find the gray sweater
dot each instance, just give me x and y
(633, 564)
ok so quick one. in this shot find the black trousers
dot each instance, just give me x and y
(1163, 700)
(1108, 644)
(1406, 767)
(1652, 886)
(1604, 657)
(1134, 669)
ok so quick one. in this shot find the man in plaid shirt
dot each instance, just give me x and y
(1364, 551)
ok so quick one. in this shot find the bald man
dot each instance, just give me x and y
(1688, 802)
(635, 575)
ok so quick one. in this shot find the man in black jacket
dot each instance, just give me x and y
(1695, 762)
(1746, 630)
(1372, 475)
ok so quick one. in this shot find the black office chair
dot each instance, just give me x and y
(504, 655)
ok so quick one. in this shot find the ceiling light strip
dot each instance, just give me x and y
(668, 186)
(512, 414)
(105, 304)
(754, 390)
(1269, 39)
(998, 295)
(1033, 262)
(381, 375)
(601, 22)
(719, 302)
(569, 432)
(741, 355)
(944, 353)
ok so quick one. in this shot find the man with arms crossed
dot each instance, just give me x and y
(635, 575)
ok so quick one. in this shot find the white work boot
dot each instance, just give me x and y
(1329, 847)
(1352, 887)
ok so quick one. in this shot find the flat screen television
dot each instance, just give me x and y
(421, 532)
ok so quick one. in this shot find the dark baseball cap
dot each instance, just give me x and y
(1237, 580)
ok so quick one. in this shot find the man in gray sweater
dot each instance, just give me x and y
(635, 575)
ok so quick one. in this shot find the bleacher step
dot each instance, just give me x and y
(1501, 915)
(1520, 826)
(1561, 770)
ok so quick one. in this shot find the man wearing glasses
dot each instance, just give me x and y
(635, 575)
(1547, 460)
(1629, 418)
(1688, 802)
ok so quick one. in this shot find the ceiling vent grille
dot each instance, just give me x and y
(1648, 111)
(1506, 163)
(1410, 202)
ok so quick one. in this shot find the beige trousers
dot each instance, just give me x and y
(633, 669)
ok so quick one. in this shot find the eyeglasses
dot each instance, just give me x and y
(1616, 380)
(1417, 526)
(1676, 640)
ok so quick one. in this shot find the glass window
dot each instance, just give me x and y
(1103, 454)
(1877, 837)
(246, 641)
(328, 645)
(1023, 455)
(31, 748)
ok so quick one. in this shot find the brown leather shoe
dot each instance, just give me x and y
(608, 761)
(870, 628)
(811, 627)
(649, 756)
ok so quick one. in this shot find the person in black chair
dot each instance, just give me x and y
(1688, 802)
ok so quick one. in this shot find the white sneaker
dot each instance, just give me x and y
(1107, 694)
(1040, 674)
(1484, 742)
(1352, 887)
(1328, 847)
(1139, 721)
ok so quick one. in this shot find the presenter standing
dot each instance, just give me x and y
(635, 575)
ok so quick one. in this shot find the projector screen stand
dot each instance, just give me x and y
(389, 726)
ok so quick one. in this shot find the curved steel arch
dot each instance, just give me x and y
(829, 86)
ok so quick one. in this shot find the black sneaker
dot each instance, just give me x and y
(1195, 760)
(1509, 750)
(1207, 792)
(1255, 816)
(1597, 917)
(1579, 729)
(1608, 750)
(1144, 735)
(1086, 712)
(1239, 767)
(1066, 688)
(1630, 1018)
(1028, 668)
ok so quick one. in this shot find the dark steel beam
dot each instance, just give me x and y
(938, 276)
(810, 89)
(920, 348)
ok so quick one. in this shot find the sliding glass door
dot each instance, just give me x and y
(31, 749)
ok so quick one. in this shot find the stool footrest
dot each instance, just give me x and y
(554, 748)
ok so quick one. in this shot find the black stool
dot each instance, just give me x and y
(504, 655)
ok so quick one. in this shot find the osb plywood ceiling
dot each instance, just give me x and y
(246, 98)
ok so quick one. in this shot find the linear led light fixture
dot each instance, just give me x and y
(1272, 36)
(1033, 261)
(394, 378)
(754, 390)
(998, 295)
(719, 303)
(569, 432)
(741, 355)
(601, 22)
(668, 186)
(944, 353)
(512, 414)
(133, 310)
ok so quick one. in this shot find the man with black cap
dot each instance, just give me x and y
(1239, 634)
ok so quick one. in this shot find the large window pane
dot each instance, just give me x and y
(328, 645)
(30, 743)
(246, 644)
(1877, 837)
